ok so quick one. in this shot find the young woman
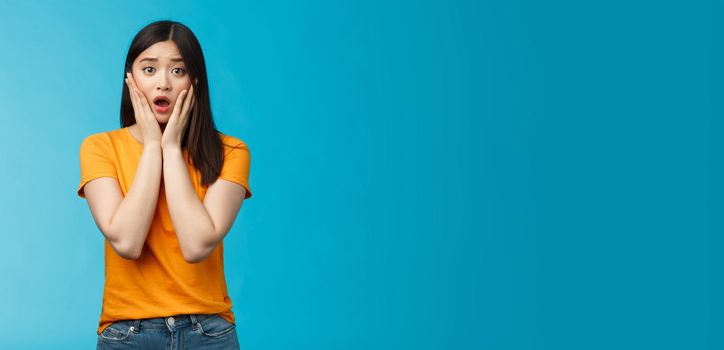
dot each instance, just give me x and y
(164, 190)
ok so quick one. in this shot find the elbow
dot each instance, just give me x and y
(125, 248)
(198, 250)
(194, 259)
(129, 254)
(126, 251)
(195, 255)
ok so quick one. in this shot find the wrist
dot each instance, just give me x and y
(152, 144)
(169, 148)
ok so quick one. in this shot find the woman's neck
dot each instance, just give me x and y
(136, 131)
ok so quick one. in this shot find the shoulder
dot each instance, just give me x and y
(103, 136)
(232, 143)
(98, 139)
(103, 141)
(236, 161)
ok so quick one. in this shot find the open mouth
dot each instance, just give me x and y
(161, 103)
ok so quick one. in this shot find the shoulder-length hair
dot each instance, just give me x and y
(201, 138)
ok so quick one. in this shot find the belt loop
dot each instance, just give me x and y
(194, 321)
(137, 325)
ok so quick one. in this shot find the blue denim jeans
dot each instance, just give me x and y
(170, 333)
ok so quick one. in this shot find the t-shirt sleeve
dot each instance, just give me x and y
(236, 165)
(95, 161)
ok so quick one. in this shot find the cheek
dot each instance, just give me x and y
(145, 86)
(183, 85)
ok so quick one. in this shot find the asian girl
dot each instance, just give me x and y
(164, 190)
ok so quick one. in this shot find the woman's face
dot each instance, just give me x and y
(161, 75)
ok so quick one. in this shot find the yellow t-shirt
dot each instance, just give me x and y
(160, 283)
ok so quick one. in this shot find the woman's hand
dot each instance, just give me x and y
(150, 130)
(174, 131)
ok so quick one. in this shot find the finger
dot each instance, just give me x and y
(131, 83)
(132, 95)
(132, 80)
(192, 99)
(187, 101)
(133, 88)
(191, 104)
(177, 108)
(144, 102)
(193, 96)
(139, 95)
(140, 109)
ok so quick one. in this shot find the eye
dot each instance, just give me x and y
(149, 69)
(178, 71)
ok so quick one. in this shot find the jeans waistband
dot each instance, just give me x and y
(170, 323)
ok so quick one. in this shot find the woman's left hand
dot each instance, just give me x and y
(174, 131)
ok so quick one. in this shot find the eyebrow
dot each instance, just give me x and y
(155, 59)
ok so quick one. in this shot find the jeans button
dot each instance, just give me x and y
(171, 321)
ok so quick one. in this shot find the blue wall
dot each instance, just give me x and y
(426, 175)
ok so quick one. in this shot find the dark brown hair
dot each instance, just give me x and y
(200, 139)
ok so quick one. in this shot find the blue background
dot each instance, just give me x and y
(426, 175)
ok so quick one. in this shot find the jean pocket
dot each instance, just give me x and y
(116, 331)
(215, 326)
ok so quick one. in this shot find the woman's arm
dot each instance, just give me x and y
(125, 221)
(199, 226)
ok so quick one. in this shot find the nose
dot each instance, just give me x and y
(163, 83)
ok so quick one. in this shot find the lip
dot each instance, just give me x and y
(161, 109)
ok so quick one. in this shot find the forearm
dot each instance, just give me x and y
(190, 219)
(132, 219)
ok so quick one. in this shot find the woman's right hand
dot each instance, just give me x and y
(150, 130)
